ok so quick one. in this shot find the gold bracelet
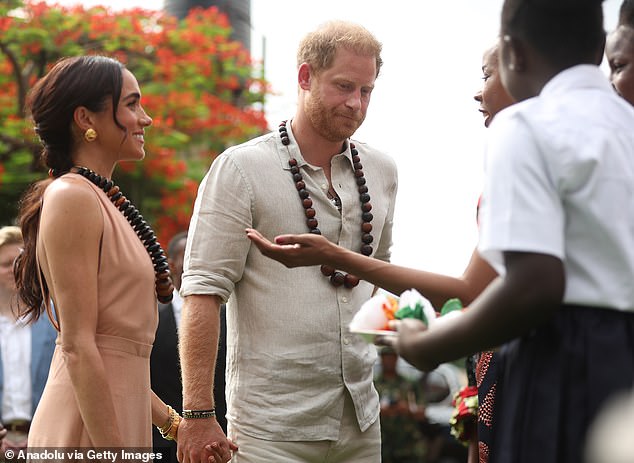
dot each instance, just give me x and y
(170, 418)
(173, 430)
(170, 428)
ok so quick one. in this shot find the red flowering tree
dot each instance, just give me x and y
(198, 85)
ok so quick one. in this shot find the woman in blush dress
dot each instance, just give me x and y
(88, 250)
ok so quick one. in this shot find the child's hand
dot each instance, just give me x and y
(410, 332)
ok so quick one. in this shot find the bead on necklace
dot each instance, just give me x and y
(163, 278)
(337, 278)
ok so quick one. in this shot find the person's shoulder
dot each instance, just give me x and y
(70, 189)
(618, 113)
(71, 201)
(250, 149)
(376, 155)
(514, 120)
(517, 111)
(365, 148)
(249, 160)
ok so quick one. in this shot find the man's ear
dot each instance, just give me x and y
(304, 76)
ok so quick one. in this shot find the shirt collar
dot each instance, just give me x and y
(292, 150)
(579, 76)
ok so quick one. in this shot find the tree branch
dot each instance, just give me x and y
(19, 77)
(16, 144)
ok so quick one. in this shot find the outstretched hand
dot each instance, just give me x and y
(293, 250)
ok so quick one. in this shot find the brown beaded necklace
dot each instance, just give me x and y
(163, 279)
(337, 278)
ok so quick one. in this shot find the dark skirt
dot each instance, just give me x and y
(554, 381)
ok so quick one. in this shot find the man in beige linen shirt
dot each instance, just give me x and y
(299, 384)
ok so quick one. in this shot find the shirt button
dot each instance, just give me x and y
(344, 299)
(324, 186)
(346, 341)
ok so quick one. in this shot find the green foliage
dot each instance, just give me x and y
(197, 86)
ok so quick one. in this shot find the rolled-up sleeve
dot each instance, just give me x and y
(221, 213)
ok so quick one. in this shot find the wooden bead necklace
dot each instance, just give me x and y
(337, 278)
(163, 279)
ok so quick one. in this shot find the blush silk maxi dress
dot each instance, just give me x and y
(126, 326)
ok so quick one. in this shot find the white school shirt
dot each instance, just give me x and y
(560, 181)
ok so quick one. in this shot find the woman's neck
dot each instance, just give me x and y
(94, 162)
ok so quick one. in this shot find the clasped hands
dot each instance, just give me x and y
(203, 441)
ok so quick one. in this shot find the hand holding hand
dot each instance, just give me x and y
(203, 441)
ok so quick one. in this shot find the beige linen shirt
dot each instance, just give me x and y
(290, 355)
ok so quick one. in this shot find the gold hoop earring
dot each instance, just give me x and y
(90, 135)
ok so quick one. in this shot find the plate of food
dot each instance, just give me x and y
(374, 316)
(370, 335)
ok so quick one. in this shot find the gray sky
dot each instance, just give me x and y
(422, 111)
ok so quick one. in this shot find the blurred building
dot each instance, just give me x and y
(238, 11)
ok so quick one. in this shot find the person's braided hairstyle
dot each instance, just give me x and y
(564, 32)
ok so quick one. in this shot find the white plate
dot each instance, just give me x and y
(370, 335)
